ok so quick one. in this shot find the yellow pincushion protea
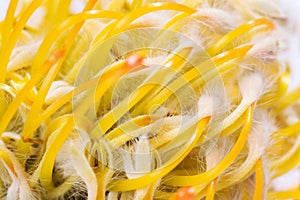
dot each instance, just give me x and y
(147, 100)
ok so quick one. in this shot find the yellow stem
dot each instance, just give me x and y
(102, 183)
(211, 190)
(259, 180)
(291, 194)
(150, 192)
(103, 173)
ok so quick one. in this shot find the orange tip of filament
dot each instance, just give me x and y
(56, 56)
(134, 60)
(185, 193)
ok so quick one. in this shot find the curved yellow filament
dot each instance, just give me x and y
(11, 39)
(288, 161)
(143, 181)
(284, 81)
(233, 127)
(123, 24)
(5, 33)
(12, 108)
(232, 35)
(195, 72)
(288, 99)
(53, 147)
(103, 34)
(44, 47)
(291, 194)
(7, 161)
(290, 130)
(42, 52)
(172, 22)
(15, 35)
(107, 79)
(173, 64)
(56, 31)
(208, 176)
(60, 102)
(130, 125)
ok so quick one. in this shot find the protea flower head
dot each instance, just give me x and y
(141, 99)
